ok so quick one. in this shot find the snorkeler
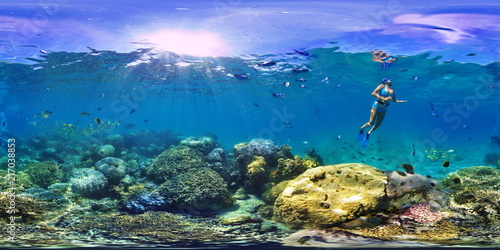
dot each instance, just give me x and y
(382, 57)
(384, 94)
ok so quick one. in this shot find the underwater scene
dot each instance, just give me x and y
(293, 139)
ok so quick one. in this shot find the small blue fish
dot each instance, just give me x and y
(278, 95)
(266, 64)
(240, 77)
(301, 70)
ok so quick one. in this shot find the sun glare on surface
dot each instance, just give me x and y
(195, 43)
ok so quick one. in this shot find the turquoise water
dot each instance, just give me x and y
(74, 74)
(194, 96)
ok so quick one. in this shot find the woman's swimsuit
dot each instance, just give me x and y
(380, 105)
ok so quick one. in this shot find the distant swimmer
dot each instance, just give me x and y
(384, 94)
(383, 57)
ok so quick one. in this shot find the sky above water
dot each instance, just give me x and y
(241, 27)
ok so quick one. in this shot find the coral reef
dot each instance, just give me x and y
(218, 161)
(422, 213)
(203, 144)
(404, 188)
(104, 151)
(26, 208)
(259, 162)
(144, 202)
(270, 195)
(174, 161)
(492, 159)
(198, 189)
(476, 198)
(115, 140)
(291, 168)
(22, 181)
(245, 152)
(256, 175)
(150, 143)
(141, 198)
(88, 182)
(312, 154)
(328, 195)
(112, 168)
(44, 173)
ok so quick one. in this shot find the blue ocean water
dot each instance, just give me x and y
(195, 96)
(73, 72)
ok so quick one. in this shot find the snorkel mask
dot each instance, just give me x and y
(385, 80)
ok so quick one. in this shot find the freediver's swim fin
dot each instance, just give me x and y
(365, 141)
(360, 135)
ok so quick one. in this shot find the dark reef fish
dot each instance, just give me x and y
(288, 124)
(409, 168)
(84, 113)
(256, 105)
(98, 120)
(146, 120)
(131, 111)
(278, 95)
(446, 164)
(301, 70)
(457, 180)
(304, 53)
(47, 112)
(240, 77)
(413, 153)
(266, 64)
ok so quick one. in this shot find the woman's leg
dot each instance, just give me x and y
(373, 115)
(380, 118)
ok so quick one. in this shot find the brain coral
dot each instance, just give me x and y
(173, 162)
(113, 168)
(327, 195)
(404, 188)
(198, 188)
(88, 182)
